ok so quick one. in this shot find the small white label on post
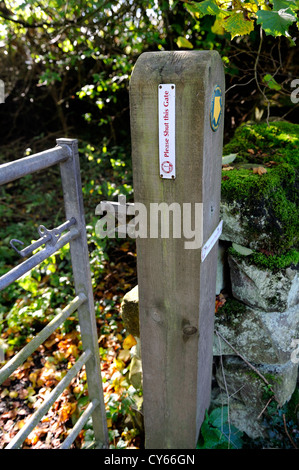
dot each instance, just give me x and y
(211, 241)
(167, 130)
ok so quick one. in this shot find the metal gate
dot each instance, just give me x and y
(66, 155)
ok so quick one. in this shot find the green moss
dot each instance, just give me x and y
(277, 142)
(231, 308)
(269, 202)
(271, 199)
(271, 262)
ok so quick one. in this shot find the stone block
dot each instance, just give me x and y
(260, 337)
(262, 288)
(245, 419)
(242, 382)
(129, 311)
(135, 373)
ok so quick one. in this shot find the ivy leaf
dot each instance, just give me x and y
(237, 25)
(183, 42)
(275, 23)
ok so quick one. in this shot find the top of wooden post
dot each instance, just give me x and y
(177, 65)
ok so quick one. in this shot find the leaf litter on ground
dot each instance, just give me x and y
(31, 383)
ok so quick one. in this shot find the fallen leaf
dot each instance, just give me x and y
(109, 423)
(4, 393)
(259, 170)
(266, 252)
(21, 423)
(32, 438)
(10, 414)
(124, 355)
(220, 301)
(51, 341)
(251, 151)
(66, 411)
(33, 377)
(129, 342)
(72, 350)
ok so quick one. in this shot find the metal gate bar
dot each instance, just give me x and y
(66, 154)
(30, 263)
(39, 339)
(39, 161)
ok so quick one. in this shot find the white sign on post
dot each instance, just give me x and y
(167, 130)
(211, 241)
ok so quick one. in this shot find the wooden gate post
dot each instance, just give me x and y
(177, 101)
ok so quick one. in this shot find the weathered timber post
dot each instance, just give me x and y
(177, 101)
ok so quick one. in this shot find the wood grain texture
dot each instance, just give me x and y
(176, 290)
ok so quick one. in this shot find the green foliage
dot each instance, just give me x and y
(238, 17)
(218, 433)
(276, 23)
(67, 65)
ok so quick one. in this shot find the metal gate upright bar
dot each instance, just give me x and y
(73, 200)
(66, 154)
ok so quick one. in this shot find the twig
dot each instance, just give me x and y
(287, 432)
(256, 77)
(239, 84)
(268, 403)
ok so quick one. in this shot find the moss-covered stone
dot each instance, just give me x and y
(260, 143)
(270, 261)
(266, 204)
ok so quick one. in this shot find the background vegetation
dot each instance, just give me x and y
(66, 68)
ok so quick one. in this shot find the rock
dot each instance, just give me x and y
(234, 228)
(240, 415)
(135, 373)
(129, 311)
(262, 288)
(238, 223)
(222, 276)
(241, 381)
(258, 336)
(261, 211)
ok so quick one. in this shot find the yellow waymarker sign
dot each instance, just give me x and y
(216, 108)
